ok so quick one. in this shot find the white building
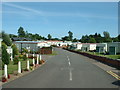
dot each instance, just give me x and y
(31, 45)
(54, 42)
(113, 48)
(101, 47)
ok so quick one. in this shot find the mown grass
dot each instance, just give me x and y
(108, 56)
(14, 67)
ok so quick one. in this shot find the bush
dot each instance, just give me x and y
(15, 50)
(3, 66)
(31, 64)
(15, 60)
(20, 56)
(24, 50)
(26, 69)
(24, 57)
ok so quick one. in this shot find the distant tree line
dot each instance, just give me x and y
(97, 38)
(92, 38)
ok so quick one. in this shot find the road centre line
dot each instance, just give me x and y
(70, 75)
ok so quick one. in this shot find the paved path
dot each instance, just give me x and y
(65, 70)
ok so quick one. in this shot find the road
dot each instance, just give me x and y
(65, 70)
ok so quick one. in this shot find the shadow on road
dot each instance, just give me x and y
(116, 83)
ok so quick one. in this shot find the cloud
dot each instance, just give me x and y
(23, 8)
(47, 13)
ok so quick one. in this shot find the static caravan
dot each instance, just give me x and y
(114, 48)
(79, 46)
(88, 46)
(101, 47)
(31, 45)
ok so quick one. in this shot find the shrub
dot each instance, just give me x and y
(26, 69)
(15, 50)
(20, 56)
(31, 64)
(15, 60)
(24, 57)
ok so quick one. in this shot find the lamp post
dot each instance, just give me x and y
(21, 48)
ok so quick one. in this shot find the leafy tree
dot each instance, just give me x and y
(85, 39)
(92, 40)
(15, 50)
(6, 39)
(66, 38)
(21, 32)
(49, 37)
(107, 36)
(5, 55)
(70, 35)
(119, 37)
(75, 40)
(12, 35)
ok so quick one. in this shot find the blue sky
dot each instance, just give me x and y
(57, 18)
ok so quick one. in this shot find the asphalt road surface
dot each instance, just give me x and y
(65, 70)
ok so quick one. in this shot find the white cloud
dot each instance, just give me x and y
(47, 13)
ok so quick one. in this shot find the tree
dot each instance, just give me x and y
(15, 50)
(21, 32)
(84, 39)
(5, 55)
(107, 36)
(119, 37)
(6, 39)
(70, 35)
(75, 40)
(49, 37)
(12, 35)
(92, 40)
(66, 38)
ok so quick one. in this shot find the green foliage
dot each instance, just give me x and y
(119, 37)
(75, 40)
(15, 50)
(5, 55)
(21, 32)
(6, 39)
(49, 37)
(66, 38)
(107, 36)
(24, 50)
(24, 57)
(92, 40)
(15, 60)
(70, 35)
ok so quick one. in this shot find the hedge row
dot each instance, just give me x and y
(105, 60)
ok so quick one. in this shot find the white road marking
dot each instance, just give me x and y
(70, 75)
(69, 63)
(70, 69)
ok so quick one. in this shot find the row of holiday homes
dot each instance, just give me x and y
(112, 48)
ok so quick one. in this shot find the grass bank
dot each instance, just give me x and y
(108, 56)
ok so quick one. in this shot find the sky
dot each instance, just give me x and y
(57, 18)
